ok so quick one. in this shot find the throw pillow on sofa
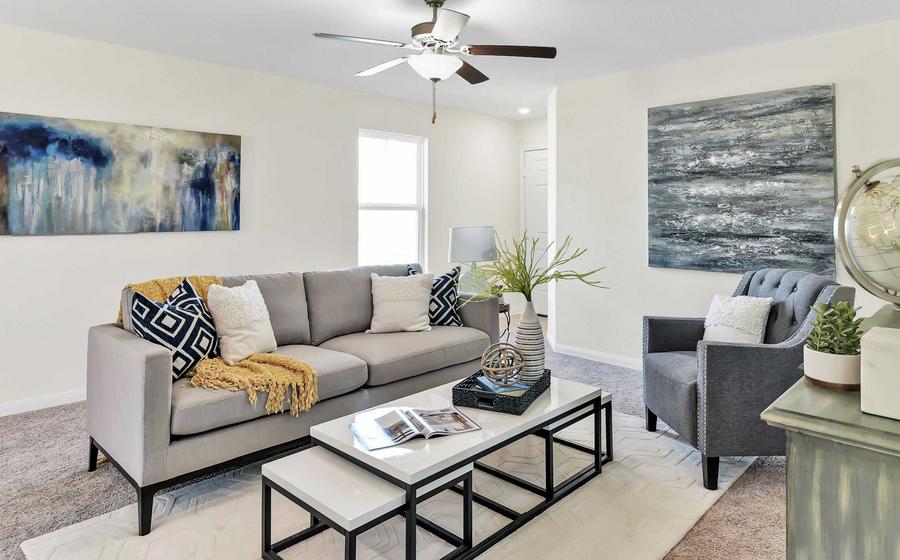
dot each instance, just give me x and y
(182, 324)
(737, 319)
(242, 321)
(443, 308)
(400, 303)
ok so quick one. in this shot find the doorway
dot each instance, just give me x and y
(534, 209)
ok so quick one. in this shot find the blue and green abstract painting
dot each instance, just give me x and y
(66, 176)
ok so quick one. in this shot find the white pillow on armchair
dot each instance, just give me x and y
(739, 319)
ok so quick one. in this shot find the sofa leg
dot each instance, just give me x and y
(145, 509)
(710, 472)
(92, 455)
(651, 420)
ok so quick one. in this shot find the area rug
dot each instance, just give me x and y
(642, 504)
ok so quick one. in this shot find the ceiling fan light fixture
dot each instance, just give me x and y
(433, 66)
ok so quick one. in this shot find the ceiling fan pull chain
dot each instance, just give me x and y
(433, 101)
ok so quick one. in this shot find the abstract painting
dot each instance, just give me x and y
(66, 176)
(743, 182)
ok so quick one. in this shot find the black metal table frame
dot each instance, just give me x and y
(550, 492)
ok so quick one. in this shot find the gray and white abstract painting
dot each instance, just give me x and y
(743, 182)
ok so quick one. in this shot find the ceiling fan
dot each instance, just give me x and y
(438, 56)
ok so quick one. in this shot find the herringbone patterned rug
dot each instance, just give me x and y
(638, 508)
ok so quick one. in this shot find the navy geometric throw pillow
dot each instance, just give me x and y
(443, 309)
(182, 324)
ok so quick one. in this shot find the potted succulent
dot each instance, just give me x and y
(497, 291)
(521, 267)
(831, 355)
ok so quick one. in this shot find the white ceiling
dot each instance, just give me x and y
(594, 37)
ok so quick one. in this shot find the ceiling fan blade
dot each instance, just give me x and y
(471, 74)
(365, 40)
(510, 50)
(449, 25)
(382, 67)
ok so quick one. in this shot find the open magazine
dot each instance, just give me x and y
(385, 427)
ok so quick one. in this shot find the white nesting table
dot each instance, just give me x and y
(421, 468)
(340, 495)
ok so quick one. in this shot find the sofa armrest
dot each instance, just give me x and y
(481, 313)
(735, 383)
(129, 395)
(671, 334)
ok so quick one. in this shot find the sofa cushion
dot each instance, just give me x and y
(197, 410)
(285, 299)
(340, 301)
(395, 356)
(670, 390)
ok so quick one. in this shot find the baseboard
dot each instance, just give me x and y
(613, 359)
(45, 401)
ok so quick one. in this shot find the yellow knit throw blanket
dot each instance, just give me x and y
(269, 373)
(161, 288)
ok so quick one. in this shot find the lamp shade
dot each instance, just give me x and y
(435, 66)
(472, 244)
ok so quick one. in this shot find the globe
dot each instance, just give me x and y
(868, 230)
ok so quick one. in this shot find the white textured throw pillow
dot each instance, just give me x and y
(400, 303)
(242, 321)
(737, 319)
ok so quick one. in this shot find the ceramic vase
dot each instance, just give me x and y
(530, 342)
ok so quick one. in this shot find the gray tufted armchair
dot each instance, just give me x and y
(712, 393)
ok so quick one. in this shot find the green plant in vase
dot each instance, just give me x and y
(521, 267)
(831, 356)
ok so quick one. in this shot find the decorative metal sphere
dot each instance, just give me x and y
(867, 229)
(502, 363)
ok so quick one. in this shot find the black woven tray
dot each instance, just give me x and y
(468, 393)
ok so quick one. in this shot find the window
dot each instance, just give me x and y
(391, 198)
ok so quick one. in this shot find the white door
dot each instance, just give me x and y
(534, 210)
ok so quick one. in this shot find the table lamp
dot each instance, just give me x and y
(471, 245)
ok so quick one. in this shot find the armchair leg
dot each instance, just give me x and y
(651, 420)
(92, 455)
(710, 472)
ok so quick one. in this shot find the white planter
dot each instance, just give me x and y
(831, 370)
(880, 374)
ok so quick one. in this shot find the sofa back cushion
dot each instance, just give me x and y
(285, 297)
(340, 301)
(793, 292)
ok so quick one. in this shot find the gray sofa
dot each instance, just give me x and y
(712, 393)
(160, 433)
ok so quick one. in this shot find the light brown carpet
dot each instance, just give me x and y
(748, 521)
(44, 483)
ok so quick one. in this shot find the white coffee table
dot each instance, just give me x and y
(420, 463)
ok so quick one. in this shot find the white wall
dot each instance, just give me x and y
(532, 132)
(601, 168)
(298, 187)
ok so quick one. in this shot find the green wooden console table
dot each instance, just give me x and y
(843, 475)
